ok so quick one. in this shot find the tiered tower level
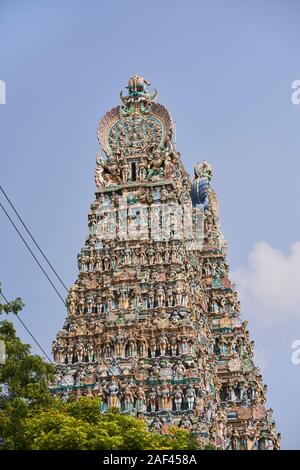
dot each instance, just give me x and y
(153, 325)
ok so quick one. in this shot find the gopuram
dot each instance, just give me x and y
(153, 325)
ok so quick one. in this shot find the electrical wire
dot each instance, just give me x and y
(31, 252)
(35, 340)
(33, 238)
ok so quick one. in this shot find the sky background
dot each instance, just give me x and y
(224, 69)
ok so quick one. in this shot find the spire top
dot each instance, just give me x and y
(137, 85)
(138, 92)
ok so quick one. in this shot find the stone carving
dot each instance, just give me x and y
(112, 392)
(178, 398)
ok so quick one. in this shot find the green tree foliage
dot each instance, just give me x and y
(81, 425)
(23, 382)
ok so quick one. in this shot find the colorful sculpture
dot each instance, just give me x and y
(153, 324)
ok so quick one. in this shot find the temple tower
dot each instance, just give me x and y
(153, 324)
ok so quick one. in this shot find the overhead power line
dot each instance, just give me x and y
(33, 238)
(29, 332)
(35, 340)
(31, 252)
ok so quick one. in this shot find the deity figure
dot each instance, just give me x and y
(199, 406)
(169, 297)
(69, 352)
(143, 345)
(71, 303)
(169, 168)
(178, 296)
(152, 346)
(235, 439)
(140, 399)
(81, 305)
(223, 348)
(142, 169)
(79, 348)
(90, 352)
(106, 262)
(130, 347)
(123, 299)
(184, 346)
(112, 392)
(231, 391)
(89, 304)
(160, 296)
(173, 345)
(178, 397)
(128, 399)
(136, 303)
(151, 255)
(158, 255)
(57, 356)
(190, 397)
(163, 344)
(179, 371)
(125, 171)
(119, 344)
(127, 255)
(150, 298)
(164, 394)
(152, 398)
(142, 257)
(107, 348)
(156, 166)
(99, 305)
(98, 263)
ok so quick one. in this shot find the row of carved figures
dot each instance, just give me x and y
(143, 347)
(228, 346)
(90, 260)
(252, 436)
(249, 438)
(213, 267)
(252, 392)
(163, 398)
(222, 304)
(129, 397)
(146, 197)
(109, 173)
(121, 347)
(124, 298)
(167, 217)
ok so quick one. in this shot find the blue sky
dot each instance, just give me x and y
(224, 69)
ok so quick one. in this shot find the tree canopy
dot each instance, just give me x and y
(80, 425)
(23, 382)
